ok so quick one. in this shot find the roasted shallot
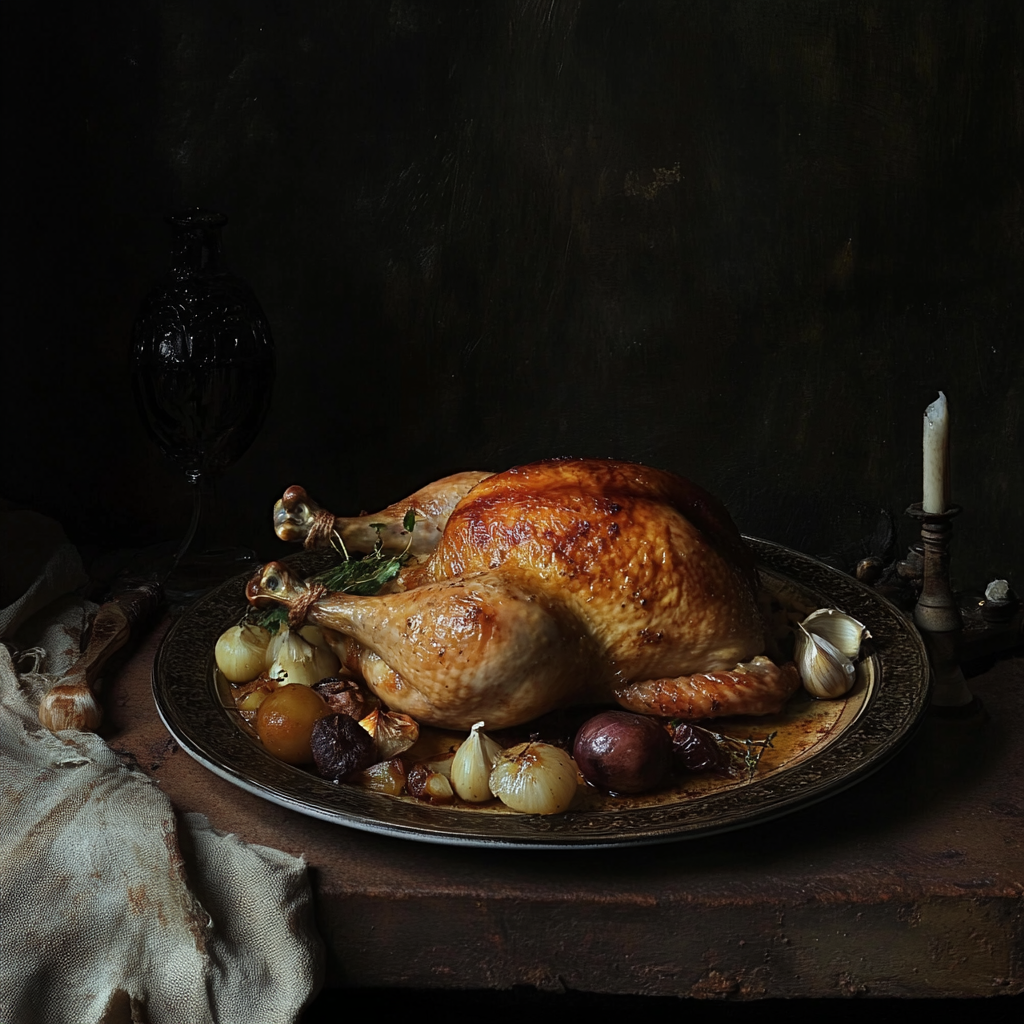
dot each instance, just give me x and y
(535, 778)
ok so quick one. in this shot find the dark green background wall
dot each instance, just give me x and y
(744, 240)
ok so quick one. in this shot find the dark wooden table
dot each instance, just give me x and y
(908, 885)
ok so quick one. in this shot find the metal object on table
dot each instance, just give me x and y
(937, 614)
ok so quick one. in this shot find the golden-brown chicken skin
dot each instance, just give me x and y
(561, 582)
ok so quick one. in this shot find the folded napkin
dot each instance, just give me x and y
(113, 907)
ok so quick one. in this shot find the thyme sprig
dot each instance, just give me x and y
(365, 576)
(701, 749)
(747, 752)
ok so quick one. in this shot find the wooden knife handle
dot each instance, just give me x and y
(72, 704)
(108, 633)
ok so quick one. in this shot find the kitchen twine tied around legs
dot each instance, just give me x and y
(320, 529)
(301, 604)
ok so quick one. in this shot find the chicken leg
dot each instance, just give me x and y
(459, 651)
(298, 518)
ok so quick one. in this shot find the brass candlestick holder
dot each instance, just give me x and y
(937, 614)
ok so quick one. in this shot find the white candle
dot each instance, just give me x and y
(936, 456)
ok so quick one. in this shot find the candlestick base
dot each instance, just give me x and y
(937, 614)
(936, 609)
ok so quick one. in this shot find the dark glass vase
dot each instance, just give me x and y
(202, 374)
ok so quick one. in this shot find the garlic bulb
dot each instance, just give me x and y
(391, 731)
(308, 634)
(70, 706)
(824, 670)
(842, 631)
(240, 652)
(535, 778)
(300, 662)
(471, 768)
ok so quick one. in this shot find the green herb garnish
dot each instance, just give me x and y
(366, 576)
(748, 752)
(272, 618)
(737, 755)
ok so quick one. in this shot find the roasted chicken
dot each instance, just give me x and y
(558, 583)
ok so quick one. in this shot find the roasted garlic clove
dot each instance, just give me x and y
(384, 777)
(471, 767)
(392, 732)
(824, 670)
(251, 701)
(535, 778)
(441, 763)
(428, 785)
(842, 631)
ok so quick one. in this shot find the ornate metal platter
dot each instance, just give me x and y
(818, 749)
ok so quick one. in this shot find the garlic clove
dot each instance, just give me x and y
(273, 646)
(824, 670)
(252, 700)
(842, 631)
(383, 777)
(535, 778)
(428, 785)
(472, 764)
(325, 663)
(392, 731)
(442, 764)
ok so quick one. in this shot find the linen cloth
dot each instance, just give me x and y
(111, 907)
